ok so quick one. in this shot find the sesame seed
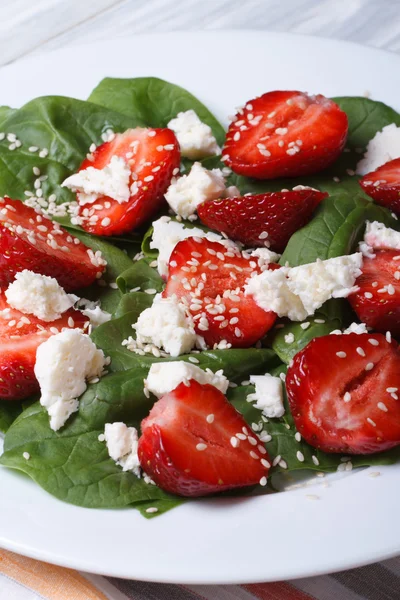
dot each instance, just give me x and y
(263, 235)
(374, 474)
(101, 437)
(151, 510)
(373, 342)
(150, 291)
(106, 221)
(320, 321)
(241, 436)
(265, 463)
(263, 481)
(289, 338)
(369, 366)
(391, 390)
(297, 436)
(252, 441)
(315, 460)
(388, 337)
(200, 447)
(300, 456)
(235, 442)
(371, 422)
(276, 460)
(368, 295)
(347, 397)
(26, 455)
(341, 354)
(382, 406)
(305, 325)
(360, 351)
(210, 418)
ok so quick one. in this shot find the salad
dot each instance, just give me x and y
(187, 311)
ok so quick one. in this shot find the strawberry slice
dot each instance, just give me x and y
(343, 393)
(383, 185)
(210, 277)
(285, 134)
(29, 240)
(152, 156)
(191, 446)
(263, 219)
(20, 336)
(377, 303)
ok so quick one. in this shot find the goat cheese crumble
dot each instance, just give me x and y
(63, 364)
(167, 234)
(377, 235)
(122, 445)
(299, 291)
(39, 295)
(384, 146)
(196, 139)
(112, 181)
(167, 325)
(268, 395)
(186, 193)
(96, 316)
(358, 328)
(165, 377)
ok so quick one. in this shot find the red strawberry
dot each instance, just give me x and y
(29, 240)
(211, 277)
(342, 392)
(377, 303)
(383, 185)
(20, 336)
(285, 134)
(190, 444)
(152, 155)
(248, 219)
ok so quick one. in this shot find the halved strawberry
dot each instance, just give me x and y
(20, 336)
(268, 219)
(383, 185)
(377, 302)
(343, 393)
(192, 444)
(152, 156)
(285, 134)
(29, 240)
(210, 277)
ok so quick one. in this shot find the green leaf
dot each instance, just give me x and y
(64, 126)
(141, 275)
(72, 464)
(335, 229)
(117, 263)
(153, 101)
(9, 411)
(5, 113)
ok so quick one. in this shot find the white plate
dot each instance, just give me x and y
(283, 536)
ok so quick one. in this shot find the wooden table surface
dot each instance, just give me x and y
(31, 26)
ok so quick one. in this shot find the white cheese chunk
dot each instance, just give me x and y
(96, 315)
(63, 364)
(383, 147)
(195, 138)
(112, 181)
(167, 234)
(38, 295)
(271, 292)
(122, 445)
(299, 291)
(265, 256)
(317, 282)
(268, 395)
(167, 325)
(186, 193)
(165, 377)
(377, 235)
(358, 328)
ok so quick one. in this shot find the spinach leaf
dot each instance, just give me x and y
(335, 229)
(5, 112)
(117, 263)
(141, 275)
(72, 464)
(153, 101)
(9, 411)
(64, 126)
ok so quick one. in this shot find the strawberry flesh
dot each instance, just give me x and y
(187, 455)
(210, 277)
(248, 219)
(20, 336)
(377, 302)
(285, 134)
(383, 185)
(152, 155)
(342, 392)
(29, 240)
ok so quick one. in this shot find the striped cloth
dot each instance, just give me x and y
(26, 579)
